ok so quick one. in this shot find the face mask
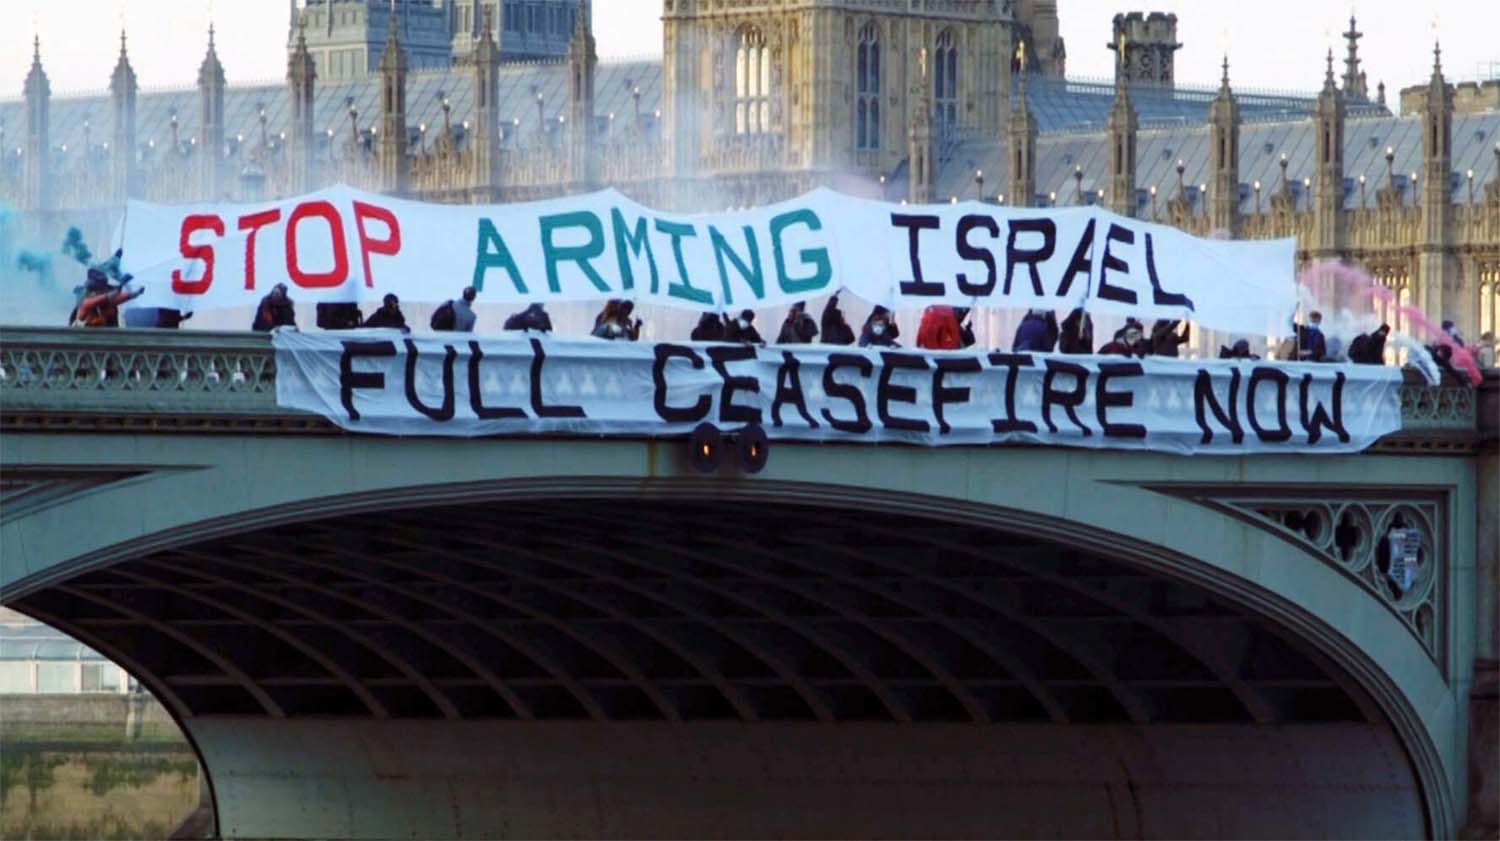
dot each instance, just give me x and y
(743, 323)
(878, 328)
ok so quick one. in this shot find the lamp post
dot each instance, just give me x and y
(979, 184)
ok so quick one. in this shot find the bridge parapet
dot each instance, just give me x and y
(133, 379)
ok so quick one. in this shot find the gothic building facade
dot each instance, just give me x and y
(755, 101)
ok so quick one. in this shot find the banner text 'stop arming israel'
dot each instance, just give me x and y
(341, 244)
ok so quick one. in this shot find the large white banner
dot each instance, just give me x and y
(341, 244)
(385, 382)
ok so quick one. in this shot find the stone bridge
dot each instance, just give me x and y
(515, 637)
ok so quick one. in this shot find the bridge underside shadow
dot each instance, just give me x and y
(635, 666)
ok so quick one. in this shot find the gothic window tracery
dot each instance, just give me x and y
(867, 107)
(945, 84)
(752, 83)
(1489, 298)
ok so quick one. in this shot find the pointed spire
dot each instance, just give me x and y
(1354, 80)
(1328, 80)
(36, 79)
(123, 78)
(1224, 80)
(211, 72)
(1020, 99)
(1437, 60)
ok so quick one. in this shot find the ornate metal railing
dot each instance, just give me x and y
(166, 377)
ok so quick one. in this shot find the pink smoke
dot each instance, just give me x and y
(1353, 288)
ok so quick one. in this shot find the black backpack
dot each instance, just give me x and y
(442, 317)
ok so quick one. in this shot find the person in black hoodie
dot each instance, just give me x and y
(389, 315)
(880, 329)
(1369, 348)
(710, 329)
(534, 317)
(1165, 339)
(836, 329)
(1077, 333)
(1240, 350)
(742, 329)
(798, 328)
(275, 310)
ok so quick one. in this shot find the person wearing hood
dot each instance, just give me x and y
(742, 329)
(1077, 333)
(1127, 342)
(1240, 350)
(389, 315)
(275, 310)
(1037, 332)
(534, 317)
(1165, 340)
(456, 315)
(798, 328)
(100, 305)
(710, 328)
(1369, 348)
(836, 329)
(879, 330)
(939, 329)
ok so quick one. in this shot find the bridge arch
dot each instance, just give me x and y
(1107, 507)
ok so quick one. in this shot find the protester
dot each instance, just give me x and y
(1369, 348)
(339, 316)
(1311, 346)
(534, 317)
(1037, 332)
(614, 323)
(163, 318)
(836, 329)
(710, 329)
(939, 329)
(1485, 356)
(100, 306)
(1451, 330)
(1240, 350)
(742, 329)
(1077, 334)
(1165, 340)
(1127, 341)
(965, 329)
(455, 315)
(389, 315)
(275, 310)
(879, 330)
(798, 328)
(632, 326)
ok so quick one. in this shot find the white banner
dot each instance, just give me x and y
(385, 382)
(341, 244)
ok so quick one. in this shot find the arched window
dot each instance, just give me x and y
(752, 84)
(867, 107)
(945, 84)
(1489, 298)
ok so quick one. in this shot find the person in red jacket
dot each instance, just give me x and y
(939, 329)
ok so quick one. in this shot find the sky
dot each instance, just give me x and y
(1275, 44)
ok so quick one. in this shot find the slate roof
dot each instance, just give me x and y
(1070, 114)
(1261, 147)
